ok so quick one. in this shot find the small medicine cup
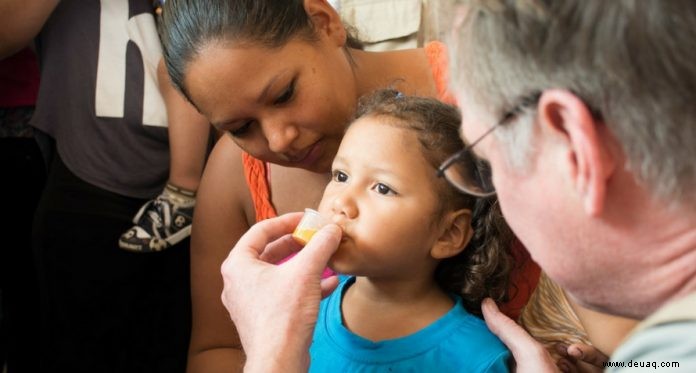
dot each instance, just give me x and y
(311, 222)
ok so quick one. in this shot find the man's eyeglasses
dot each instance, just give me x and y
(471, 174)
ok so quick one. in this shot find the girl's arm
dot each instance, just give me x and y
(219, 221)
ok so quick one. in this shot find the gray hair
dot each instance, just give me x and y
(630, 60)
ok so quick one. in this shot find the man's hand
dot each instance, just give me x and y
(275, 307)
(581, 358)
(530, 356)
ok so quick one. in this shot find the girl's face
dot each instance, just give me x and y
(286, 105)
(383, 195)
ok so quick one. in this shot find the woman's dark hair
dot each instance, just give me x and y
(188, 26)
(483, 268)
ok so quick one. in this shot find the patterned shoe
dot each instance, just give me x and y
(159, 224)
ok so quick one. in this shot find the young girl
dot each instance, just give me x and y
(421, 255)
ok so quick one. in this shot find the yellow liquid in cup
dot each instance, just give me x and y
(303, 235)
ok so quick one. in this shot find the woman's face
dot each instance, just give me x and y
(286, 105)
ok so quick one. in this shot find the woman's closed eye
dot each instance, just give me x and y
(242, 130)
(384, 189)
(286, 95)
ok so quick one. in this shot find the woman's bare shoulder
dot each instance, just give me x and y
(223, 179)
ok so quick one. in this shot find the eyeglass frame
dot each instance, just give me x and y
(524, 102)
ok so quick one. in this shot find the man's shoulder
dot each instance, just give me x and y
(663, 340)
(669, 345)
(683, 309)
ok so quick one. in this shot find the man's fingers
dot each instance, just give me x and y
(255, 240)
(588, 354)
(328, 285)
(315, 255)
(566, 366)
(513, 335)
(280, 249)
(530, 355)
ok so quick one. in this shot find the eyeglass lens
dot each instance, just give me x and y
(470, 174)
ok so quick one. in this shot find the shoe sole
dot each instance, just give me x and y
(179, 236)
(171, 241)
(134, 248)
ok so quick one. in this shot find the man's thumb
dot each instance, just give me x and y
(316, 254)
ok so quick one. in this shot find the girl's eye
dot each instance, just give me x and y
(340, 176)
(241, 131)
(383, 189)
(286, 95)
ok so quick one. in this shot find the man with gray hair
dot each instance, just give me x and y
(583, 110)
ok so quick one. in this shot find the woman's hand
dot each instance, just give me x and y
(530, 356)
(275, 307)
(581, 358)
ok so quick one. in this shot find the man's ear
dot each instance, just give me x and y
(589, 157)
(326, 21)
(456, 234)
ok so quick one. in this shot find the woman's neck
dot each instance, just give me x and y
(406, 70)
(388, 309)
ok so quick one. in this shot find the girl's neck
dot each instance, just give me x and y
(405, 70)
(388, 309)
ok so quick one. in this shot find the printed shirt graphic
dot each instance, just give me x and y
(99, 97)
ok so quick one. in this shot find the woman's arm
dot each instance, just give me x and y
(20, 22)
(219, 220)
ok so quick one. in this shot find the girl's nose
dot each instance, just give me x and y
(344, 207)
